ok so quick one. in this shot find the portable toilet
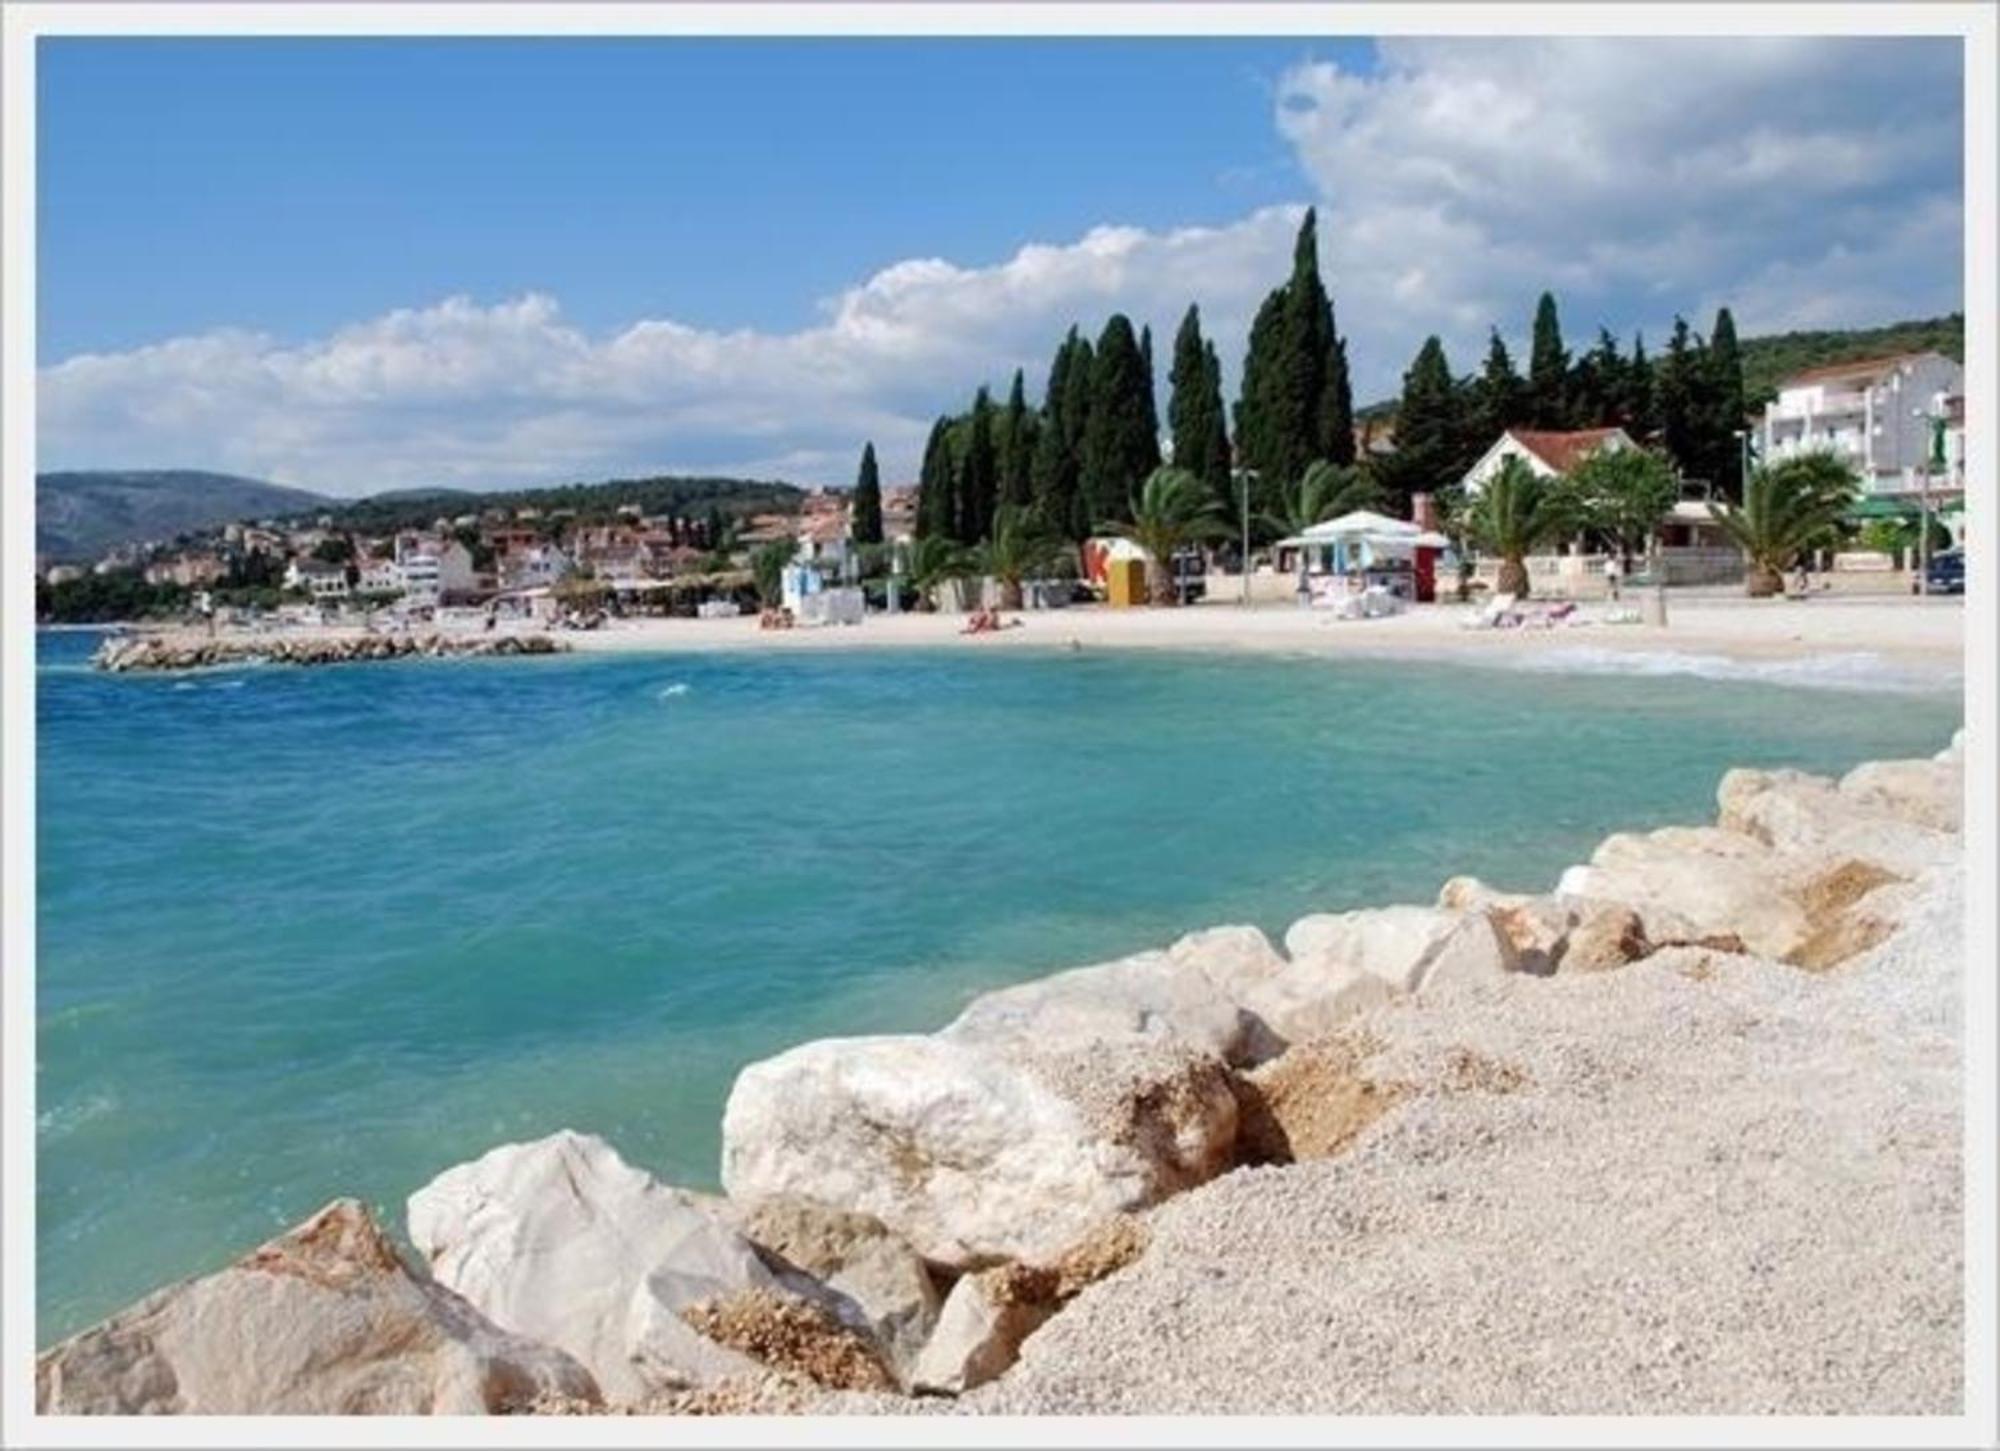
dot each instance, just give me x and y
(1125, 582)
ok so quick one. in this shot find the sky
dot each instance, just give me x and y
(355, 265)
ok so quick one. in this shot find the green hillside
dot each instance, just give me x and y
(1779, 355)
(81, 515)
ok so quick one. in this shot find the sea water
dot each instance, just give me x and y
(312, 932)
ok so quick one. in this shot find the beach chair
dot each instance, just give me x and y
(1488, 615)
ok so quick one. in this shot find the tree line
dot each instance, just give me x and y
(1690, 402)
(1076, 462)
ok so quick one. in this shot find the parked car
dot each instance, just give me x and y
(1946, 575)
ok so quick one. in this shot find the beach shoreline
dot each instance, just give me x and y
(1914, 643)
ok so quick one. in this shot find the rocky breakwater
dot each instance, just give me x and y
(907, 1216)
(121, 655)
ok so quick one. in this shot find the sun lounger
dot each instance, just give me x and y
(1489, 615)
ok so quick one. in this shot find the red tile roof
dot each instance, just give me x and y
(1562, 451)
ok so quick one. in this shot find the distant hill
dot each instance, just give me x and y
(1779, 355)
(81, 515)
(662, 494)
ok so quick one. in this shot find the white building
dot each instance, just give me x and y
(534, 568)
(381, 576)
(1874, 413)
(318, 578)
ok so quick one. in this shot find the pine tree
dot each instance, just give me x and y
(1548, 369)
(1431, 433)
(978, 475)
(1194, 410)
(1638, 413)
(937, 504)
(1595, 383)
(866, 521)
(1727, 406)
(1680, 389)
(1502, 397)
(1120, 442)
(1017, 447)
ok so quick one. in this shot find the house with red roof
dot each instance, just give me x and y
(1548, 453)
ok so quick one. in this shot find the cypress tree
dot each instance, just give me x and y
(1121, 443)
(1017, 447)
(866, 525)
(1217, 462)
(1254, 444)
(1548, 369)
(1336, 400)
(1152, 404)
(978, 475)
(1194, 410)
(1725, 389)
(1595, 384)
(937, 505)
(1502, 401)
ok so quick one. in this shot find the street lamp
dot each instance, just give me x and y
(1933, 449)
(1244, 563)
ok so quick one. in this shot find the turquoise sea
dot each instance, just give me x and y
(315, 932)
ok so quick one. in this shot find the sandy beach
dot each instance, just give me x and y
(1913, 636)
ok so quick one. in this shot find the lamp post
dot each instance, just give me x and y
(1933, 449)
(1742, 460)
(1244, 563)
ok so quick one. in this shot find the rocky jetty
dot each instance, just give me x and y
(194, 652)
(1107, 1188)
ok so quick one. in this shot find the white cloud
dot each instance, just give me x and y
(1804, 182)
(1801, 181)
(475, 395)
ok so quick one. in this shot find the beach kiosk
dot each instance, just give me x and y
(1364, 550)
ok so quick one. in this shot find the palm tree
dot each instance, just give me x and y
(1514, 514)
(1172, 509)
(1019, 548)
(1326, 491)
(1786, 508)
(933, 560)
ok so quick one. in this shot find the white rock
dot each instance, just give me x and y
(971, 1153)
(563, 1240)
(1405, 946)
(1309, 1000)
(324, 1320)
(1149, 997)
(1818, 823)
(1717, 882)
(1927, 793)
(979, 1333)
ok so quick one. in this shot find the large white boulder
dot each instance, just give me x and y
(972, 1153)
(1714, 882)
(1151, 997)
(562, 1240)
(1408, 948)
(324, 1320)
(1927, 793)
(1815, 821)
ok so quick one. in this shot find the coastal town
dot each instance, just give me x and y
(1896, 424)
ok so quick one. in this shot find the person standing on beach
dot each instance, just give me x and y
(1614, 574)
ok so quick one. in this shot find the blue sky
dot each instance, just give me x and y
(724, 183)
(363, 264)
